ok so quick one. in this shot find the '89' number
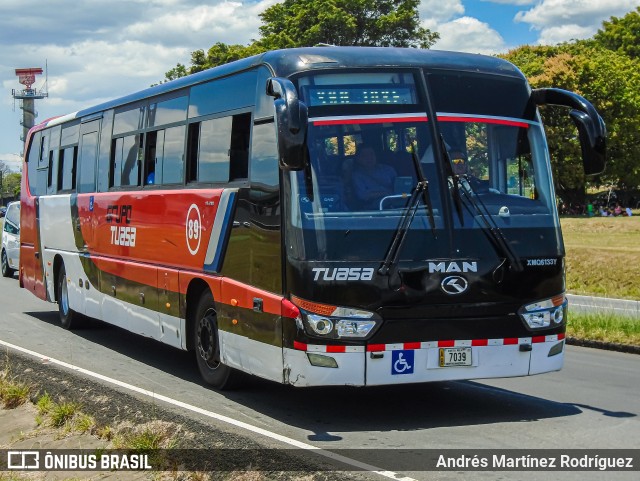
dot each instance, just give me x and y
(193, 229)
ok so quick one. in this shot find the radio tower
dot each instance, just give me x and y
(27, 97)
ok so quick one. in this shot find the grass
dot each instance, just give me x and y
(604, 327)
(66, 415)
(153, 435)
(12, 392)
(603, 256)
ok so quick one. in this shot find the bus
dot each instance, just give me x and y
(314, 216)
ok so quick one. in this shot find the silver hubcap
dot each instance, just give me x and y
(64, 296)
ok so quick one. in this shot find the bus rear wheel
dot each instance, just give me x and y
(207, 346)
(68, 317)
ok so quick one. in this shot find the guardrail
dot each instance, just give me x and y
(623, 307)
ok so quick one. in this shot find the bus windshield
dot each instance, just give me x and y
(367, 142)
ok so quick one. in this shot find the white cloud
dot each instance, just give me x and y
(102, 49)
(467, 34)
(438, 11)
(227, 21)
(563, 20)
(563, 33)
(457, 32)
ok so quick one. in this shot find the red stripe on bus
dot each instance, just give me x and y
(375, 347)
(510, 340)
(336, 349)
(561, 336)
(538, 339)
(300, 346)
(480, 342)
(446, 343)
(513, 123)
(412, 345)
(377, 120)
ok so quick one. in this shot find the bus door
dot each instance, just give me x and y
(31, 267)
(84, 221)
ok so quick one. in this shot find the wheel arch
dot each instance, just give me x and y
(194, 291)
(57, 262)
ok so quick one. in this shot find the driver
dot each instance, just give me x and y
(371, 180)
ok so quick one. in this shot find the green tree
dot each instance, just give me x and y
(11, 183)
(383, 23)
(305, 23)
(609, 80)
(622, 34)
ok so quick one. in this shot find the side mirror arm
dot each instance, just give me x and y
(591, 128)
(291, 120)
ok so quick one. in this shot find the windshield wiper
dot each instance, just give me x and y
(498, 241)
(448, 166)
(421, 189)
(489, 226)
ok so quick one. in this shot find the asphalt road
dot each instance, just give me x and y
(593, 403)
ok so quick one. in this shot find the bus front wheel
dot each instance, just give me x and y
(68, 317)
(207, 346)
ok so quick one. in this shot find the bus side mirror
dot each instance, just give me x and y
(592, 131)
(291, 123)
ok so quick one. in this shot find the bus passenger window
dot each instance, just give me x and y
(213, 150)
(67, 168)
(131, 160)
(32, 159)
(150, 157)
(239, 151)
(50, 173)
(171, 150)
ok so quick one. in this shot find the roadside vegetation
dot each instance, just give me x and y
(603, 255)
(13, 393)
(607, 327)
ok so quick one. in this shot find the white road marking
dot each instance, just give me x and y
(219, 417)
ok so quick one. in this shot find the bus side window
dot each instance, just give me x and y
(44, 147)
(88, 159)
(50, 173)
(131, 155)
(67, 168)
(193, 141)
(60, 169)
(239, 151)
(32, 159)
(212, 159)
(152, 151)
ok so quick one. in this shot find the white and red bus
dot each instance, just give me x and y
(316, 216)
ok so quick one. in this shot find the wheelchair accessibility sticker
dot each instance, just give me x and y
(402, 362)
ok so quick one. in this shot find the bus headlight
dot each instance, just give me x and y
(354, 327)
(545, 313)
(320, 324)
(335, 322)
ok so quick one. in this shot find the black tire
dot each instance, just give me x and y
(6, 270)
(69, 318)
(207, 346)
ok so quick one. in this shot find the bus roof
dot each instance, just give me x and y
(284, 63)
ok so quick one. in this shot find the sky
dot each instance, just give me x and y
(97, 50)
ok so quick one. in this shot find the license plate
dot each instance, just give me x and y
(455, 356)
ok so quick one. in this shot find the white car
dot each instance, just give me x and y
(11, 240)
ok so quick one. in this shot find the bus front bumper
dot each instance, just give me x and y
(385, 364)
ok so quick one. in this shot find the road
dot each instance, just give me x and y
(592, 403)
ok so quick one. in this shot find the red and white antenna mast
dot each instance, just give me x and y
(28, 96)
